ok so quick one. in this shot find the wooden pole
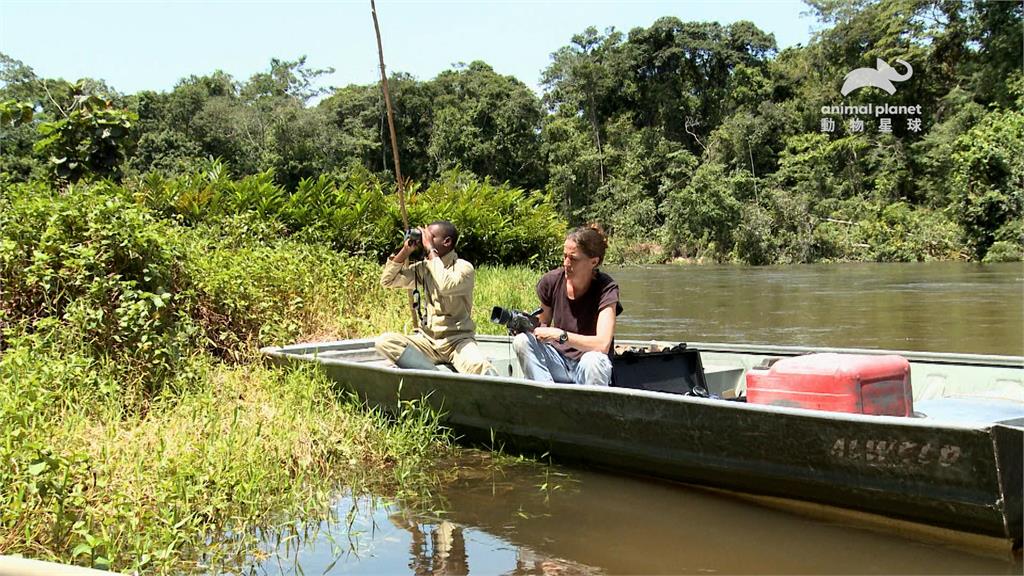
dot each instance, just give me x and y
(394, 142)
(391, 117)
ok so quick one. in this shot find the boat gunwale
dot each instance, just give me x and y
(993, 360)
(290, 353)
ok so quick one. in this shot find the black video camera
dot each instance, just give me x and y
(517, 321)
(414, 236)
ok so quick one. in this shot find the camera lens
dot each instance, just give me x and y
(499, 315)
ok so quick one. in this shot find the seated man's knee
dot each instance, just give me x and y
(595, 368)
(481, 366)
(390, 345)
(469, 358)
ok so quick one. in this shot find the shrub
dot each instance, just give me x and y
(704, 213)
(896, 232)
(91, 140)
(988, 178)
(1002, 251)
(245, 293)
(104, 268)
(756, 240)
(622, 251)
(358, 215)
(498, 224)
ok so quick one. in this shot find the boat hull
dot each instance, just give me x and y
(961, 476)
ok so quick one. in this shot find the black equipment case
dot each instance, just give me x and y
(676, 370)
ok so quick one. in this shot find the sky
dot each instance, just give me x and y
(146, 45)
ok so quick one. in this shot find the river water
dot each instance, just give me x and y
(509, 518)
(938, 307)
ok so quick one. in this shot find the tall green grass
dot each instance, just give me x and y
(511, 287)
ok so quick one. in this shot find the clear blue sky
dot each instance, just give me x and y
(137, 45)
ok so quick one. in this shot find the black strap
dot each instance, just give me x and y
(416, 304)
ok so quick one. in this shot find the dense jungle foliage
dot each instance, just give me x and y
(689, 139)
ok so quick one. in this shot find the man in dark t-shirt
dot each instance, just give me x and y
(579, 305)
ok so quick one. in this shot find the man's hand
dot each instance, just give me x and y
(428, 241)
(408, 246)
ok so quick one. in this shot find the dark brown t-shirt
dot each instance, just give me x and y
(578, 315)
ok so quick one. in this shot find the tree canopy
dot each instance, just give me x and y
(696, 138)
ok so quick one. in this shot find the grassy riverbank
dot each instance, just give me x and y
(247, 447)
(140, 429)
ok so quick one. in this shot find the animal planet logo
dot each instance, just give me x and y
(881, 76)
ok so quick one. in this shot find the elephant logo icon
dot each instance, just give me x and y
(882, 76)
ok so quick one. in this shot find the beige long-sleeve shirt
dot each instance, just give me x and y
(446, 293)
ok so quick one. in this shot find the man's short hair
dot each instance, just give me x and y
(447, 228)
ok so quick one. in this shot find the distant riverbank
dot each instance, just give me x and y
(632, 253)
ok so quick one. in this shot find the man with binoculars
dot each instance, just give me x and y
(442, 286)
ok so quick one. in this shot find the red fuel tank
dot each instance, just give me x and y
(858, 383)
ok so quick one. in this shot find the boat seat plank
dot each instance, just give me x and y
(971, 410)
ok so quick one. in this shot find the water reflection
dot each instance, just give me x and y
(438, 548)
(519, 520)
(400, 544)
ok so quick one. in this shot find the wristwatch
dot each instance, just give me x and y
(563, 337)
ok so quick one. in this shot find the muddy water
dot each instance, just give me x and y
(521, 519)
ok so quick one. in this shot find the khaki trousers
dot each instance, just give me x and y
(463, 353)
